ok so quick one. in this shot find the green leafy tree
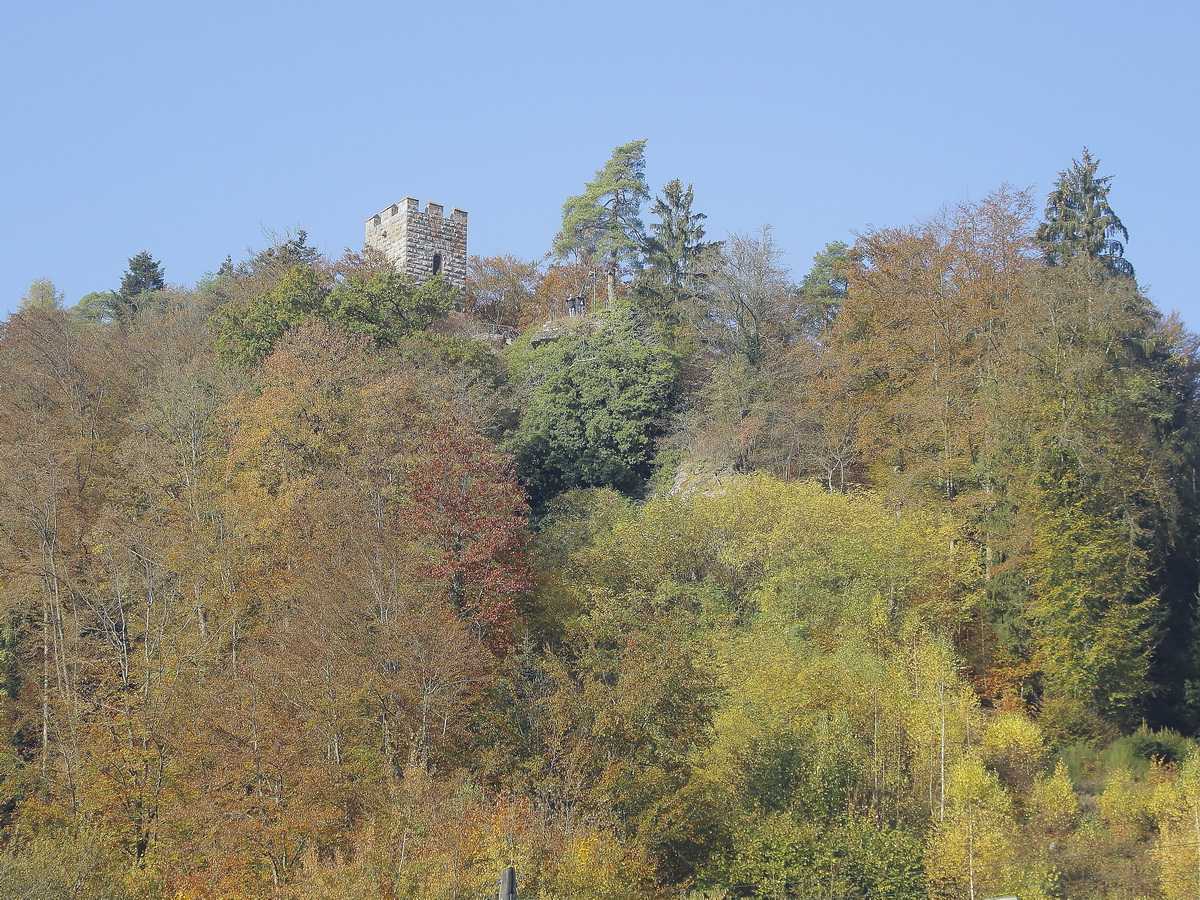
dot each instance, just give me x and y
(92, 307)
(604, 222)
(387, 305)
(1080, 221)
(592, 403)
(247, 331)
(239, 284)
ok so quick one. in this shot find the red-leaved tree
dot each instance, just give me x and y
(464, 502)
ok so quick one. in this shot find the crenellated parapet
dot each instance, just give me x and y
(422, 243)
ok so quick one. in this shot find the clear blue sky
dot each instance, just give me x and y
(189, 130)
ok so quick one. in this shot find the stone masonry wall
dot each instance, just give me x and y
(412, 239)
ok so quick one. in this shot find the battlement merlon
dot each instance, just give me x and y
(412, 206)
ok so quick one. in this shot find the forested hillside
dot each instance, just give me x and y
(874, 581)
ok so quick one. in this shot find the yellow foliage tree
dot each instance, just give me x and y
(975, 851)
(1177, 812)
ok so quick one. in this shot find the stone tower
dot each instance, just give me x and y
(422, 244)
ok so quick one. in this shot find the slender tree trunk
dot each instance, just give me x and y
(875, 740)
(942, 699)
(45, 684)
(1196, 828)
(971, 852)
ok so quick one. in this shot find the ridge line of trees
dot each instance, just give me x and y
(878, 582)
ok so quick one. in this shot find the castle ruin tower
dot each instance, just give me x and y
(422, 244)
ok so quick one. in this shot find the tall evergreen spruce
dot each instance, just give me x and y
(603, 224)
(1079, 221)
(676, 242)
(145, 274)
(675, 256)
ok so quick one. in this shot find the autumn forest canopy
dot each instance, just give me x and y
(878, 580)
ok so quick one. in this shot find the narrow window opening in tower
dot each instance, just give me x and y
(437, 264)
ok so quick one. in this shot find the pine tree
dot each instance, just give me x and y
(604, 222)
(1079, 221)
(826, 286)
